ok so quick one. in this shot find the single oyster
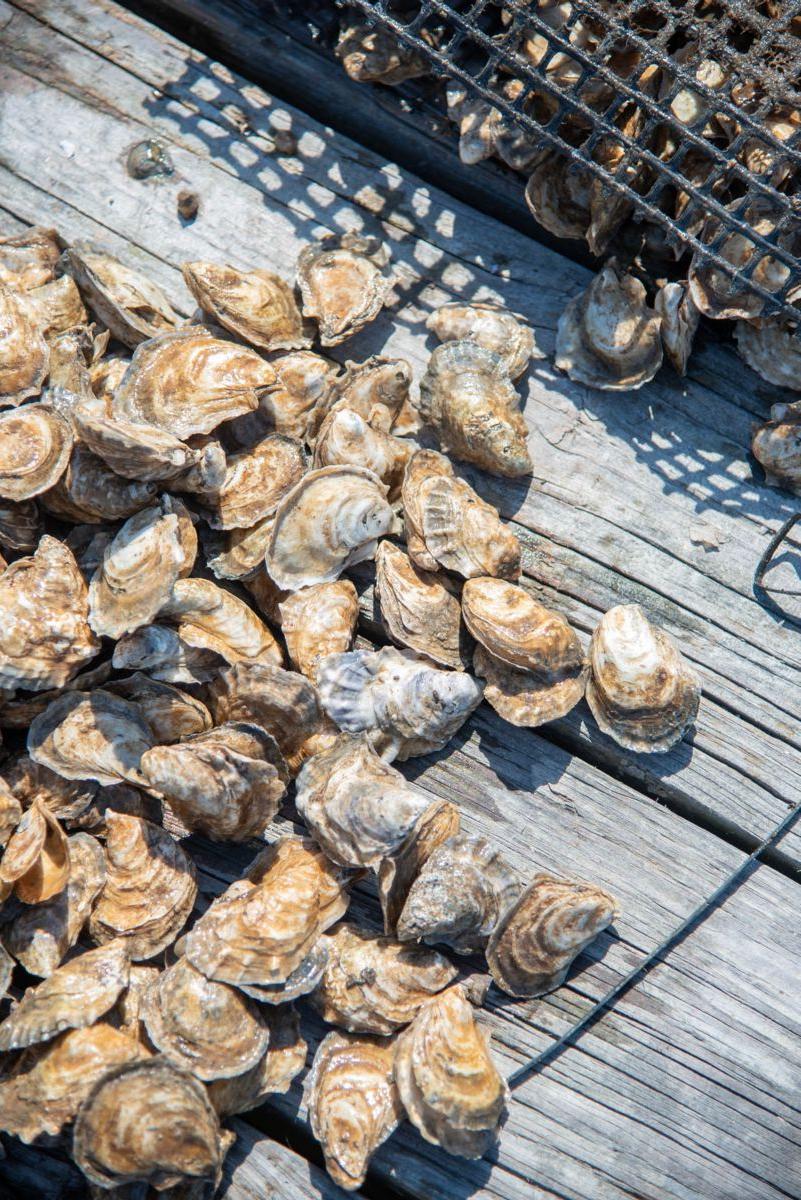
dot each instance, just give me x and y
(208, 1028)
(20, 528)
(304, 381)
(24, 354)
(448, 1083)
(170, 713)
(300, 982)
(439, 822)
(35, 446)
(29, 259)
(771, 347)
(220, 783)
(40, 936)
(537, 938)
(150, 1122)
(641, 691)
(459, 895)
(44, 632)
(353, 1103)
(376, 984)
(407, 706)
(284, 1059)
(150, 887)
(239, 553)
(261, 933)
(54, 307)
(491, 326)
(36, 861)
(188, 382)
(210, 618)
(267, 594)
(558, 195)
(318, 621)
(29, 781)
(258, 306)
(89, 491)
(129, 304)
(164, 654)
(91, 735)
(608, 337)
(332, 518)
(73, 997)
(345, 437)
(255, 482)
(448, 525)
(674, 304)
(469, 399)
(777, 447)
(344, 282)
(372, 54)
(377, 389)
(131, 449)
(418, 609)
(105, 376)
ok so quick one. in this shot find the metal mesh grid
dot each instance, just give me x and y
(690, 110)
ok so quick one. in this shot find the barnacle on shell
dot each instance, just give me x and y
(126, 301)
(419, 609)
(344, 282)
(258, 306)
(35, 446)
(491, 326)
(318, 621)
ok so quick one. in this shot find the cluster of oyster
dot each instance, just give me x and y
(179, 502)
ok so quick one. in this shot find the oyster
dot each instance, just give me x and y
(331, 519)
(19, 525)
(353, 1103)
(208, 1028)
(10, 812)
(449, 1085)
(318, 621)
(372, 54)
(418, 609)
(344, 282)
(221, 782)
(491, 326)
(129, 304)
(127, 1012)
(255, 482)
(304, 381)
(91, 735)
(558, 194)
(679, 315)
(54, 307)
(537, 938)
(210, 618)
(641, 691)
(257, 306)
(608, 337)
(467, 396)
(376, 389)
(461, 891)
(24, 354)
(165, 655)
(35, 446)
(73, 997)
(29, 259)
(67, 799)
(45, 636)
(131, 449)
(189, 382)
(300, 982)
(771, 348)
(89, 491)
(170, 713)
(448, 525)
(777, 447)
(284, 1059)
(345, 437)
(406, 705)
(376, 984)
(36, 860)
(105, 376)
(150, 1122)
(239, 553)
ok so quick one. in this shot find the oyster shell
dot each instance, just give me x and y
(73, 997)
(318, 621)
(771, 347)
(257, 306)
(300, 982)
(54, 307)
(461, 891)
(418, 609)
(255, 482)
(29, 781)
(150, 887)
(20, 528)
(439, 822)
(641, 691)
(333, 518)
(129, 304)
(304, 381)
(376, 389)
(371, 54)
(467, 396)
(10, 812)
(24, 354)
(406, 705)
(210, 618)
(491, 326)
(537, 938)
(89, 491)
(376, 984)
(150, 1122)
(35, 446)
(105, 376)
(344, 282)
(239, 553)
(679, 315)
(36, 860)
(449, 1085)
(284, 1059)
(45, 636)
(29, 259)
(448, 525)
(353, 1103)
(558, 195)
(164, 654)
(345, 437)
(170, 713)
(131, 449)
(91, 735)
(777, 447)
(608, 337)
(189, 382)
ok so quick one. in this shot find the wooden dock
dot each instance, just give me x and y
(690, 1087)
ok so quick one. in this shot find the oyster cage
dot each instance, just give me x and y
(687, 111)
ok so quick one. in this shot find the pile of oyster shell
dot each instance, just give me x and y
(179, 503)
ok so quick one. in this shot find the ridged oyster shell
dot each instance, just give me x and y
(377, 389)
(258, 306)
(24, 354)
(537, 938)
(129, 304)
(344, 283)
(91, 735)
(284, 1058)
(164, 654)
(255, 482)
(346, 438)
(130, 448)
(36, 860)
(29, 781)
(641, 691)
(54, 307)
(318, 621)
(35, 447)
(396, 874)
(210, 618)
(89, 491)
(491, 326)
(170, 713)
(777, 447)
(771, 347)
(304, 381)
(29, 259)
(418, 609)
(679, 322)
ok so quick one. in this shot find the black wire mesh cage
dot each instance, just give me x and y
(683, 114)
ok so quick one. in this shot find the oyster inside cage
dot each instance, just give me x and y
(777, 447)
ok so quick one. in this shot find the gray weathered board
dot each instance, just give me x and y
(689, 1088)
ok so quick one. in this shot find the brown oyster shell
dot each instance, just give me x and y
(54, 307)
(558, 194)
(67, 799)
(777, 447)
(257, 306)
(418, 609)
(36, 860)
(491, 326)
(771, 347)
(344, 282)
(537, 938)
(304, 382)
(163, 653)
(375, 984)
(44, 633)
(300, 982)
(405, 704)
(20, 527)
(345, 438)
(210, 618)
(73, 997)
(239, 553)
(255, 482)
(131, 449)
(353, 1103)
(641, 691)
(333, 518)
(35, 447)
(284, 1059)
(439, 822)
(24, 354)
(150, 887)
(10, 812)
(449, 1085)
(318, 621)
(105, 376)
(170, 713)
(377, 389)
(89, 491)
(91, 735)
(680, 317)
(372, 54)
(188, 382)
(151, 1122)
(129, 304)
(527, 698)
(29, 259)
